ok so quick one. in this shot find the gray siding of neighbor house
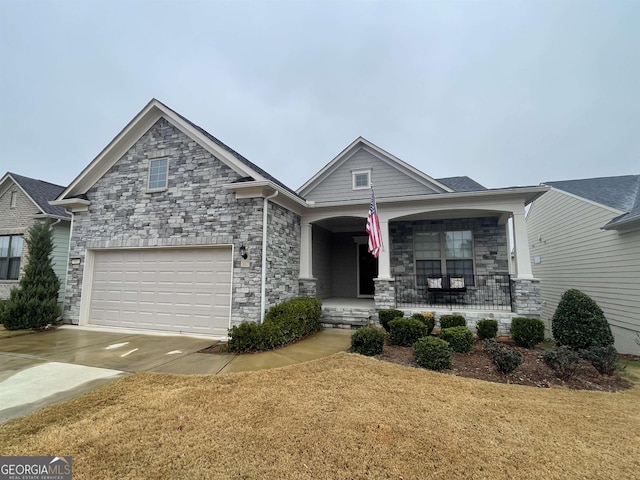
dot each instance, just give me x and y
(489, 243)
(60, 254)
(283, 254)
(565, 232)
(322, 261)
(15, 221)
(193, 210)
(387, 180)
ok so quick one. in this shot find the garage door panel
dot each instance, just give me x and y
(170, 289)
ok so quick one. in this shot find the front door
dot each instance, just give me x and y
(367, 271)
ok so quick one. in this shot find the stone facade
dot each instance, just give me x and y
(307, 287)
(193, 210)
(15, 221)
(385, 296)
(526, 297)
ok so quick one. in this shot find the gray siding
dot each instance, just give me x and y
(565, 232)
(344, 265)
(60, 254)
(387, 180)
(322, 262)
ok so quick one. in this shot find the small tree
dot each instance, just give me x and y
(34, 303)
(579, 323)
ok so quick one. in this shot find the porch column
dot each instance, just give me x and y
(521, 241)
(384, 259)
(306, 251)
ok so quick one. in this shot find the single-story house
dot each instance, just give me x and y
(175, 231)
(585, 234)
(23, 202)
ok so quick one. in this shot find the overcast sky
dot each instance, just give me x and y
(508, 93)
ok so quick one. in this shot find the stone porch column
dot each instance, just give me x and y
(306, 282)
(385, 293)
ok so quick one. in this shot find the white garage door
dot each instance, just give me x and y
(165, 289)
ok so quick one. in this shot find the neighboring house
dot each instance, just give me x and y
(585, 234)
(24, 201)
(173, 230)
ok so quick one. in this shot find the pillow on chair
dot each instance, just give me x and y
(456, 282)
(434, 282)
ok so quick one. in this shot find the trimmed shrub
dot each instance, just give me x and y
(385, 316)
(368, 341)
(504, 358)
(428, 318)
(432, 353)
(283, 324)
(527, 332)
(459, 338)
(487, 329)
(406, 331)
(603, 358)
(34, 303)
(448, 321)
(563, 361)
(579, 323)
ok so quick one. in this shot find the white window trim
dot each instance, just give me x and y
(443, 258)
(355, 173)
(159, 189)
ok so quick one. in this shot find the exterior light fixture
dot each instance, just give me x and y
(243, 252)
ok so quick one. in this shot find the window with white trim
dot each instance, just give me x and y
(361, 179)
(444, 253)
(10, 253)
(158, 174)
(14, 199)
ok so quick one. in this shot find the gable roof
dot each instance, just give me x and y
(462, 184)
(40, 192)
(392, 160)
(621, 193)
(138, 126)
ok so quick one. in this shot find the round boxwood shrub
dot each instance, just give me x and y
(432, 353)
(385, 316)
(504, 358)
(459, 338)
(527, 332)
(448, 321)
(406, 331)
(487, 329)
(603, 358)
(579, 323)
(428, 318)
(563, 361)
(368, 341)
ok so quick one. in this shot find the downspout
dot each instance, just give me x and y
(263, 292)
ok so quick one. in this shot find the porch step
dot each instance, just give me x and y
(348, 317)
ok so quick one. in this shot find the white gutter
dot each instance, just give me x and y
(263, 292)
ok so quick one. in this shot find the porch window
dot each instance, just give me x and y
(444, 253)
(10, 253)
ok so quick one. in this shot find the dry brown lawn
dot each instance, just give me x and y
(341, 417)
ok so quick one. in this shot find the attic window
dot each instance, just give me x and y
(14, 199)
(158, 173)
(361, 179)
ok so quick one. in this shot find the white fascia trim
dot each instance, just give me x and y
(72, 204)
(46, 215)
(260, 188)
(383, 155)
(132, 132)
(623, 226)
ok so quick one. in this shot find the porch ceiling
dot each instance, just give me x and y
(343, 224)
(448, 214)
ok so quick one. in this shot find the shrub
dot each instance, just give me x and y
(406, 331)
(283, 324)
(603, 358)
(428, 318)
(368, 341)
(504, 358)
(385, 316)
(432, 353)
(527, 332)
(448, 321)
(579, 323)
(487, 329)
(459, 338)
(34, 303)
(563, 361)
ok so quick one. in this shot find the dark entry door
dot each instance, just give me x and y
(367, 271)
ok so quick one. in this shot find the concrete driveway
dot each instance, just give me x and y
(48, 367)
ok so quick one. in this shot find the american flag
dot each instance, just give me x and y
(373, 228)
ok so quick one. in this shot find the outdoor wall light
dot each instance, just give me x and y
(243, 252)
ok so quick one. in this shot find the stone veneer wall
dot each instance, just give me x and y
(193, 210)
(283, 254)
(526, 297)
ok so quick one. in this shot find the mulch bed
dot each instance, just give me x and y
(532, 372)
